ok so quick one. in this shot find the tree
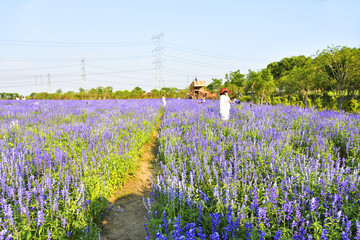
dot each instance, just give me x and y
(100, 91)
(301, 80)
(156, 93)
(118, 94)
(280, 69)
(266, 85)
(126, 94)
(236, 78)
(109, 89)
(260, 83)
(354, 61)
(251, 79)
(170, 92)
(93, 93)
(137, 92)
(335, 63)
(82, 92)
(215, 85)
(58, 93)
(108, 92)
(69, 95)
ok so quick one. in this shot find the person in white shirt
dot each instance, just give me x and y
(225, 104)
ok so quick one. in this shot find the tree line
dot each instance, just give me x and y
(108, 93)
(330, 79)
(99, 93)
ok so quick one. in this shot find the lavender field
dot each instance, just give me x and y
(271, 172)
(60, 160)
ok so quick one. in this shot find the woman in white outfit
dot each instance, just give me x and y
(164, 100)
(225, 104)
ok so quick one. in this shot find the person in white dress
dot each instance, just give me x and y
(225, 104)
(164, 100)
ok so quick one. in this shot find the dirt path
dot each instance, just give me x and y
(126, 214)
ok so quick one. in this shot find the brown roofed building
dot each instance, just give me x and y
(198, 91)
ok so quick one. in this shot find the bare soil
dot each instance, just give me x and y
(126, 214)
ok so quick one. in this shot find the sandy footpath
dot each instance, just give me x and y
(126, 214)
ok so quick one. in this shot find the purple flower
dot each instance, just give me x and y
(165, 223)
(201, 234)
(3, 233)
(346, 234)
(49, 234)
(357, 237)
(215, 236)
(63, 221)
(177, 233)
(302, 233)
(8, 213)
(215, 221)
(248, 229)
(40, 218)
(190, 232)
(323, 234)
(314, 203)
(278, 235)
(9, 237)
(261, 234)
(200, 212)
(160, 236)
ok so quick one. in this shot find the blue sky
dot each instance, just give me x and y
(42, 42)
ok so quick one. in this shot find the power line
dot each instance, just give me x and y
(20, 77)
(13, 78)
(210, 54)
(187, 61)
(71, 44)
(117, 69)
(72, 59)
(37, 68)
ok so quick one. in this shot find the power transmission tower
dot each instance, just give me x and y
(159, 78)
(83, 75)
(49, 83)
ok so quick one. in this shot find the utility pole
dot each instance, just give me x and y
(83, 75)
(35, 80)
(159, 77)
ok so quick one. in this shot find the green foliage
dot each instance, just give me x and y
(236, 78)
(318, 103)
(10, 96)
(285, 65)
(340, 65)
(215, 85)
(276, 100)
(107, 93)
(352, 105)
(245, 98)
